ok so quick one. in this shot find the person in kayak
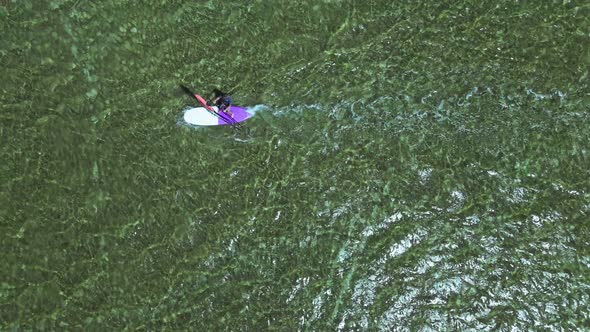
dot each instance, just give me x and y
(223, 102)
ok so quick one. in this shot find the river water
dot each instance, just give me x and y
(411, 166)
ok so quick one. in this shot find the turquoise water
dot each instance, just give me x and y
(411, 166)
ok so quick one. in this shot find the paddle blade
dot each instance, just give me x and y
(197, 97)
(187, 90)
(202, 101)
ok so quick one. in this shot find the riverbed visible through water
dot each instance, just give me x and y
(411, 166)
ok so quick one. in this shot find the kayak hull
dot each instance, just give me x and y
(200, 116)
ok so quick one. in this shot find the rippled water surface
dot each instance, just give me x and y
(412, 166)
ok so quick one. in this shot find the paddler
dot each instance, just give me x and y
(223, 102)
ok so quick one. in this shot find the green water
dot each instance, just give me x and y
(413, 166)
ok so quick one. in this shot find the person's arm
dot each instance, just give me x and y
(211, 103)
